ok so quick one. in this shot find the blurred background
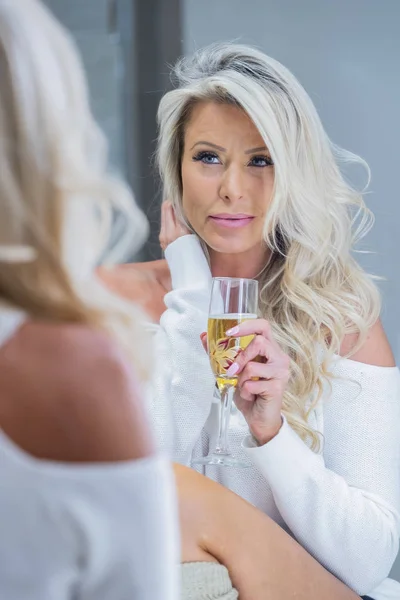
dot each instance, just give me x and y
(344, 52)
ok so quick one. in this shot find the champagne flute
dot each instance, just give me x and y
(233, 300)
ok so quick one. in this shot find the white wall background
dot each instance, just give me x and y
(92, 26)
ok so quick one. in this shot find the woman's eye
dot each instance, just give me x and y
(207, 158)
(261, 161)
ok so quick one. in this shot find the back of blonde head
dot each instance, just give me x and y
(57, 198)
(313, 292)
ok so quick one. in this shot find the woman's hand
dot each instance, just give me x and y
(171, 228)
(261, 385)
(263, 373)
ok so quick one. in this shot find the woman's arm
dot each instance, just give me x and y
(342, 506)
(262, 559)
(183, 383)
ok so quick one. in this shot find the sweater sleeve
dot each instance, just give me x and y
(183, 383)
(342, 506)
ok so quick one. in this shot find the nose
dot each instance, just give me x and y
(232, 184)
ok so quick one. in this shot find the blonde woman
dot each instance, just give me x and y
(257, 192)
(81, 481)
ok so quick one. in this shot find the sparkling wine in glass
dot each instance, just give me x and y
(233, 300)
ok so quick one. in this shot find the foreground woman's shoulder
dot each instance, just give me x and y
(376, 349)
(85, 401)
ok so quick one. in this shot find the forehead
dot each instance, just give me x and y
(211, 120)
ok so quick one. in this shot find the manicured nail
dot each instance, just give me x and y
(233, 331)
(233, 369)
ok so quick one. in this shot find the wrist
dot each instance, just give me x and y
(187, 263)
(263, 436)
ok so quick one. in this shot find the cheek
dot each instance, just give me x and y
(195, 192)
(264, 191)
(263, 196)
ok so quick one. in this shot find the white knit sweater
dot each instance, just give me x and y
(342, 505)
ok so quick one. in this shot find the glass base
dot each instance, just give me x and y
(221, 460)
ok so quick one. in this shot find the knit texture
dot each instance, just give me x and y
(343, 504)
(206, 581)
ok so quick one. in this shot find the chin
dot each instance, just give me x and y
(234, 245)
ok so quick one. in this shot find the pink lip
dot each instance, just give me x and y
(231, 221)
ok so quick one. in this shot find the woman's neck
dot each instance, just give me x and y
(245, 264)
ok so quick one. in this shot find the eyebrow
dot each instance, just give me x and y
(259, 149)
(221, 149)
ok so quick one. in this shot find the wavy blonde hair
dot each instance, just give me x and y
(312, 291)
(57, 199)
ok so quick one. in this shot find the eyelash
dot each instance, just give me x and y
(206, 154)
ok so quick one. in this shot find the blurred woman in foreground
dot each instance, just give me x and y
(81, 482)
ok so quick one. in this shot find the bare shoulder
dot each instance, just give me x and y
(79, 394)
(63, 349)
(156, 271)
(143, 283)
(376, 349)
(154, 268)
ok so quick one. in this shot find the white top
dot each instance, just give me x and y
(341, 505)
(95, 531)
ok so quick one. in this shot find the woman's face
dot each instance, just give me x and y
(227, 178)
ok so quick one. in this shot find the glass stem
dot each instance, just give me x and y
(227, 394)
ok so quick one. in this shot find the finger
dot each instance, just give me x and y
(164, 209)
(168, 225)
(259, 346)
(180, 228)
(256, 370)
(183, 230)
(242, 404)
(204, 341)
(162, 236)
(252, 326)
(166, 205)
(267, 389)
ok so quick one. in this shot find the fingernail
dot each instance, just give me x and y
(233, 369)
(233, 331)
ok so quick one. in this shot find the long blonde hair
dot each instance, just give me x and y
(312, 291)
(58, 200)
